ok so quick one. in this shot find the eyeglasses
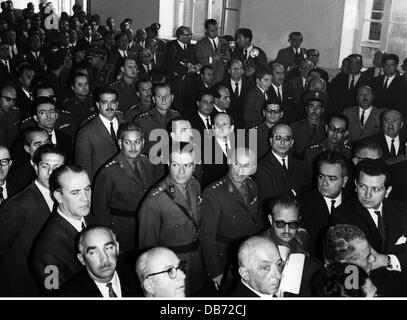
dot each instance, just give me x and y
(306, 67)
(285, 138)
(221, 125)
(9, 99)
(273, 111)
(187, 34)
(236, 68)
(334, 129)
(281, 224)
(173, 271)
(5, 162)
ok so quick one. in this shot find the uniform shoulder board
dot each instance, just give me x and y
(26, 120)
(158, 189)
(218, 184)
(133, 106)
(64, 111)
(174, 111)
(119, 111)
(110, 163)
(65, 100)
(64, 126)
(314, 146)
(15, 108)
(142, 115)
(114, 83)
(91, 116)
(143, 156)
(347, 147)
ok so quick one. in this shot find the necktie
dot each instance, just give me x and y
(332, 205)
(385, 83)
(244, 193)
(245, 54)
(279, 94)
(83, 225)
(50, 137)
(112, 132)
(185, 47)
(380, 72)
(208, 124)
(393, 148)
(8, 67)
(226, 146)
(1, 195)
(112, 294)
(352, 83)
(153, 60)
(148, 68)
(137, 170)
(237, 89)
(362, 118)
(284, 165)
(265, 96)
(380, 225)
(214, 45)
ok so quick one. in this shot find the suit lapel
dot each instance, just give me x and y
(103, 130)
(40, 198)
(374, 231)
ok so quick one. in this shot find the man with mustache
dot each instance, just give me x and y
(170, 216)
(102, 275)
(310, 130)
(121, 184)
(96, 141)
(53, 253)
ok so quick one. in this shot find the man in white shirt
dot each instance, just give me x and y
(260, 268)
(102, 275)
(55, 245)
(22, 218)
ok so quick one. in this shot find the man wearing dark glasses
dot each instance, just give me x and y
(161, 273)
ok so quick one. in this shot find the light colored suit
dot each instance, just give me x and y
(371, 125)
(204, 50)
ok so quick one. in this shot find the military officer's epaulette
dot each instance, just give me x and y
(345, 146)
(158, 189)
(315, 146)
(15, 108)
(64, 126)
(143, 156)
(143, 115)
(63, 111)
(112, 84)
(134, 106)
(26, 120)
(218, 183)
(174, 111)
(111, 163)
(65, 100)
(91, 116)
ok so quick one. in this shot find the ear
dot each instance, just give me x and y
(57, 196)
(36, 169)
(122, 69)
(345, 181)
(281, 114)
(291, 143)
(388, 191)
(120, 143)
(98, 105)
(172, 98)
(35, 118)
(117, 247)
(152, 97)
(270, 219)
(232, 128)
(148, 286)
(244, 273)
(80, 258)
(27, 149)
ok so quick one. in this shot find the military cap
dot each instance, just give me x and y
(96, 51)
(315, 95)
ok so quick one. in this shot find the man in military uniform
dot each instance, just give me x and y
(126, 86)
(230, 214)
(336, 132)
(9, 116)
(121, 184)
(170, 216)
(159, 116)
(79, 104)
(310, 130)
(272, 113)
(144, 101)
(100, 72)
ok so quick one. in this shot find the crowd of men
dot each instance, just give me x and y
(136, 166)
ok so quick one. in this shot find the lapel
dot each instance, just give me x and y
(370, 120)
(126, 167)
(324, 216)
(40, 197)
(371, 226)
(102, 131)
(209, 44)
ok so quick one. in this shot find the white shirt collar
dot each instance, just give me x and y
(276, 88)
(374, 215)
(76, 223)
(366, 114)
(122, 52)
(222, 145)
(217, 109)
(338, 202)
(4, 186)
(389, 81)
(104, 290)
(261, 295)
(280, 159)
(27, 93)
(182, 45)
(53, 137)
(106, 123)
(262, 90)
(396, 142)
(46, 194)
(204, 118)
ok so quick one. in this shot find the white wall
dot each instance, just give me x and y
(320, 22)
(142, 12)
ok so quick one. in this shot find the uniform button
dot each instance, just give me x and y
(234, 217)
(176, 226)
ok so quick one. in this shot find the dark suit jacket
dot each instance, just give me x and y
(243, 291)
(21, 219)
(12, 189)
(286, 57)
(94, 146)
(394, 97)
(370, 73)
(55, 245)
(177, 58)
(5, 76)
(81, 285)
(339, 94)
(237, 102)
(305, 137)
(190, 100)
(371, 125)
(291, 114)
(394, 214)
(273, 181)
(23, 102)
(252, 108)
(22, 175)
(381, 141)
(399, 177)
(214, 170)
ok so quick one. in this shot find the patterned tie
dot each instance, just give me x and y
(332, 205)
(362, 118)
(380, 225)
(393, 148)
(385, 83)
(112, 133)
(112, 294)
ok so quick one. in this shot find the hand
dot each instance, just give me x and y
(380, 260)
(217, 280)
